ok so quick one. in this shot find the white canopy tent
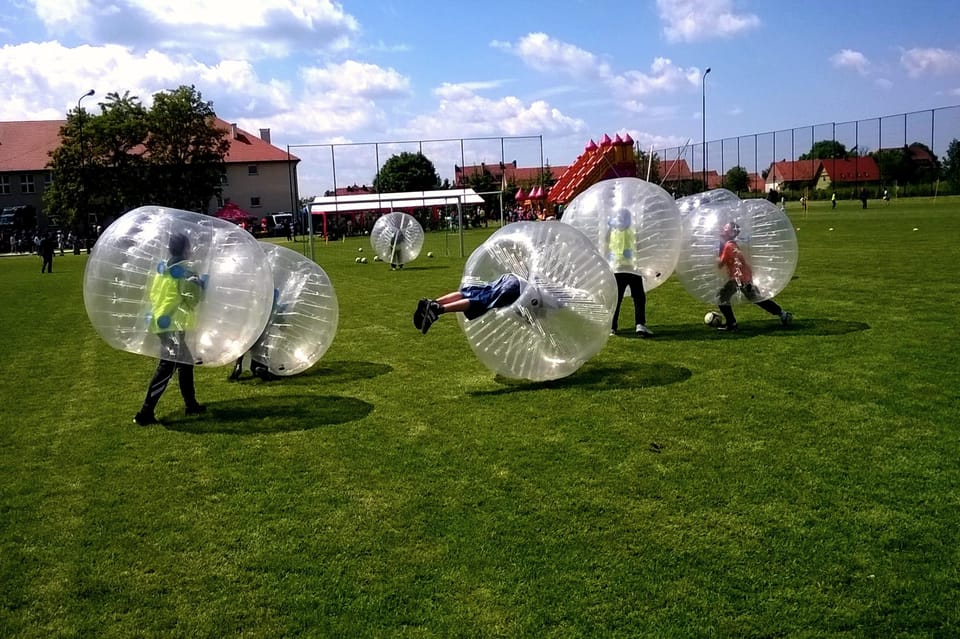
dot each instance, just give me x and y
(390, 202)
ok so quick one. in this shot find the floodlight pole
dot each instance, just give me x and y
(703, 117)
(80, 199)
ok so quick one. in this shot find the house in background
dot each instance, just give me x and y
(259, 176)
(823, 175)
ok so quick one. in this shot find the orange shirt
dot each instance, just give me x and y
(736, 264)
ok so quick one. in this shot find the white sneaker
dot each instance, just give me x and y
(643, 331)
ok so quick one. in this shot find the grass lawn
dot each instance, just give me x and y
(772, 483)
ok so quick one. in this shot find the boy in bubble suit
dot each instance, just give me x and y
(473, 300)
(620, 243)
(740, 279)
(175, 292)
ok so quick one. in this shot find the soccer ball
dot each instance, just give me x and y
(357, 260)
(430, 253)
(376, 258)
(363, 260)
(360, 250)
(713, 319)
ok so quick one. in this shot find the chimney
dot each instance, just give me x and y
(265, 135)
(233, 129)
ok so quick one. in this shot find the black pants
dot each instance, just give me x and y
(47, 264)
(751, 293)
(635, 282)
(171, 345)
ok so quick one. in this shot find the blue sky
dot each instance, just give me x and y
(318, 72)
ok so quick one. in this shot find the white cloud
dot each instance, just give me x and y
(548, 55)
(919, 62)
(267, 28)
(883, 83)
(463, 113)
(850, 59)
(693, 20)
(352, 78)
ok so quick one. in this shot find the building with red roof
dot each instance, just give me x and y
(258, 176)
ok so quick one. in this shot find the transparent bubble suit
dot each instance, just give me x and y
(234, 301)
(397, 238)
(714, 196)
(305, 314)
(766, 237)
(563, 315)
(633, 223)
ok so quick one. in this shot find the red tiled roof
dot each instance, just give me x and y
(863, 169)
(795, 171)
(674, 171)
(26, 145)
(514, 174)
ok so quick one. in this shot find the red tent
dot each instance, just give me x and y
(232, 213)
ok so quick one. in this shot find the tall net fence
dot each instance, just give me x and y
(885, 153)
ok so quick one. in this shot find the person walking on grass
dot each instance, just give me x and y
(45, 249)
(175, 292)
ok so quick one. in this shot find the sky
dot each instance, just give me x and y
(345, 85)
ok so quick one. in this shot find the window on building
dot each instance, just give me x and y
(47, 180)
(254, 202)
(252, 169)
(4, 185)
(27, 184)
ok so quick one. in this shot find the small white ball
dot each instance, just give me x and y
(363, 260)
(357, 260)
(713, 319)
(360, 249)
(430, 253)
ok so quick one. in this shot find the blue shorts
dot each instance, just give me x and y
(484, 297)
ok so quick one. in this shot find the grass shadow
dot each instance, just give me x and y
(335, 372)
(272, 415)
(599, 378)
(753, 328)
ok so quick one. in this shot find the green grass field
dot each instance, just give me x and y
(772, 483)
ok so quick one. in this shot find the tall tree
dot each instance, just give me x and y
(114, 167)
(406, 172)
(826, 150)
(647, 161)
(186, 149)
(951, 165)
(737, 180)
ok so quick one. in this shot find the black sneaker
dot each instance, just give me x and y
(729, 328)
(786, 318)
(145, 419)
(196, 409)
(418, 314)
(430, 316)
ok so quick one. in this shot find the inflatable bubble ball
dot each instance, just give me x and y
(397, 238)
(633, 223)
(178, 285)
(563, 314)
(715, 196)
(305, 314)
(764, 235)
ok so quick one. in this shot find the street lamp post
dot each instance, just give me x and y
(703, 115)
(81, 205)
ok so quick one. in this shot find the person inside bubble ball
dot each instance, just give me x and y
(175, 291)
(620, 242)
(473, 300)
(740, 279)
(396, 239)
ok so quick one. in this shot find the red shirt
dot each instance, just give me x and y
(733, 259)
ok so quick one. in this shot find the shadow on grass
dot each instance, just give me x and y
(600, 378)
(335, 372)
(753, 328)
(272, 415)
(438, 267)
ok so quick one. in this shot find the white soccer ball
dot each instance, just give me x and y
(363, 260)
(430, 253)
(360, 250)
(713, 319)
(357, 260)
